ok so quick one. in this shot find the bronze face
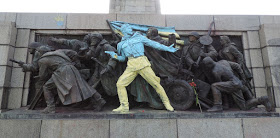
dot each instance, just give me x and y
(192, 38)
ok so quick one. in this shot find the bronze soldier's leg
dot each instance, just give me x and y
(248, 94)
(49, 96)
(226, 87)
(217, 97)
(96, 102)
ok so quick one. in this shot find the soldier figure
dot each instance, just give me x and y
(37, 49)
(153, 35)
(229, 52)
(224, 81)
(104, 69)
(194, 51)
(56, 71)
(132, 47)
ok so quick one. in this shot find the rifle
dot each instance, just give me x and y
(18, 62)
(36, 99)
(115, 36)
(97, 61)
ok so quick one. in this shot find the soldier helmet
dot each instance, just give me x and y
(195, 34)
(88, 37)
(44, 48)
(226, 38)
(34, 45)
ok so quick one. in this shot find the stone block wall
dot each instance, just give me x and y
(139, 128)
(7, 47)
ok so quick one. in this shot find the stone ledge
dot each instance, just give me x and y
(69, 113)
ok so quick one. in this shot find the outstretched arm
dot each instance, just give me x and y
(158, 46)
(116, 56)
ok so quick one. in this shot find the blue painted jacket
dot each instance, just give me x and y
(132, 45)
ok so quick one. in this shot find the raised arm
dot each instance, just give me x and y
(157, 45)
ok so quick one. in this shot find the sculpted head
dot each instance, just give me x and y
(193, 36)
(126, 29)
(32, 47)
(152, 32)
(208, 62)
(93, 39)
(224, 40)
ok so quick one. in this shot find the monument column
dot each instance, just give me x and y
(270, 45)
(135, 6)
(7, 46)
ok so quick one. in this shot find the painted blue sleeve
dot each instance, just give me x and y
(121, 57)
(157, 45)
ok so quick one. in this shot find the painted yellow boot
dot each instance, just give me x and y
(124, 107)
(165, 100)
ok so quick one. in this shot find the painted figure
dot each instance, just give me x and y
(132, 47)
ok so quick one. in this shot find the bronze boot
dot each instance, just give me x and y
(99, 105)
(265, 101)
(215, 108)
(49, 109)
(262, 100)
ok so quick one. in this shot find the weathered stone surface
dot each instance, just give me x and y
(6, 52)
(247, 58)
(245, 42)
(75, 128)
(17, 79)
(274, 42)
(10, 17)
(147, 19)
(261, 127)
(259, 77)
(15, 98)
(89, 21)
(268, 76)
(3, 98)
(210, 128)
(41, 20)
(271, 56)
(20, 55)
(266, 19)
(269, 32)
(5, 73)
(8, 33)
(27, 80)
(254, 39)
(135, 6)
(265, 57)
(276, 92)
(275, 71)
(22, 37)
(143, 128)
(189, 22)
(24, 97)
(256, 57)
(20, 128)
(261, 92)
(236, 22)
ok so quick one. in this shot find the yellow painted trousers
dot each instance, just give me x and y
(142, 66)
